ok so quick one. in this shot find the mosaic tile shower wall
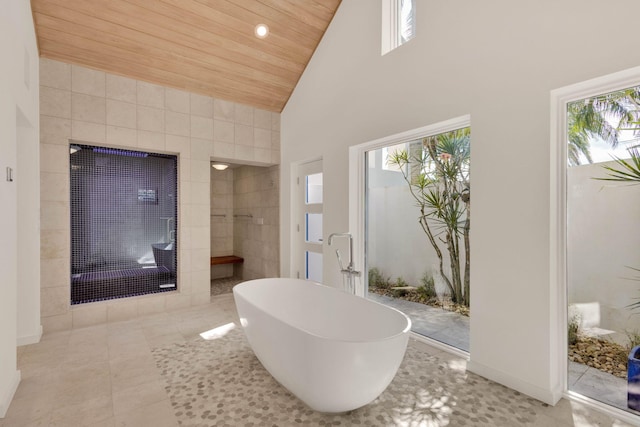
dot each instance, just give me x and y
(123, 223)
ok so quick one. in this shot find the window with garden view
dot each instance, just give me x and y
(418, 219)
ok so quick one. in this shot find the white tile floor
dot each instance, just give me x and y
(106, 375)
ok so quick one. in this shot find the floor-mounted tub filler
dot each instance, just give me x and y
(333, 350)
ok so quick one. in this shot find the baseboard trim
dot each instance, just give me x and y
(550, 397)
(30, 339)
(6, 396)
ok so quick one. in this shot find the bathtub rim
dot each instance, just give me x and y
(405, 331)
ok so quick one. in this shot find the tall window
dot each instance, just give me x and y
(398, 23)
(602, 210)
(406, 21)
(417, 229)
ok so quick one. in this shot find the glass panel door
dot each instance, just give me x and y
(309, 226)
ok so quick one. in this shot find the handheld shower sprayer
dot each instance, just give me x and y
(339, 259)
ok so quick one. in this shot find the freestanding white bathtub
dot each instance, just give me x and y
(333, 350)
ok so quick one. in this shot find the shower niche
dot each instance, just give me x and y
(124, 217)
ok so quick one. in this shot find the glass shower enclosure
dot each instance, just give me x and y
(123, 223)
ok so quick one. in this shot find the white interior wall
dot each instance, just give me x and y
(28, 160)
(498, 62)
(9, 376)
(18, 108)
(602, 245)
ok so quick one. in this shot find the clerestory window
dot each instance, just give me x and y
(398, 23)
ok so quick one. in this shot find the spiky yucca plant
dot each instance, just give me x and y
(437, 173)
(626, 170)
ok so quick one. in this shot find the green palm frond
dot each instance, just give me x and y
(437, 172)
(627, 170)
(592, 117)
(399, 158)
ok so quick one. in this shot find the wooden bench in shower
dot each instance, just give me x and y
(228, 259)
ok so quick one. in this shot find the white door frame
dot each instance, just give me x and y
(357, 183)
(558, 224)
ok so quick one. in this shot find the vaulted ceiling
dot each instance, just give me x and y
(202, 46)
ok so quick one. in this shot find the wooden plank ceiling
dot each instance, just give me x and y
(201, 46)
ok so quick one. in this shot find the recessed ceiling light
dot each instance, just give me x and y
(261, 31)
(219, 166)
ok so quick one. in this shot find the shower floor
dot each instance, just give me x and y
(105, 285)
(223, 286)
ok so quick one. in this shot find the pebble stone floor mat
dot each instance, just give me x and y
(220, 382)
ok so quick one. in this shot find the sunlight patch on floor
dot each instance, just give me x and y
(219, 332)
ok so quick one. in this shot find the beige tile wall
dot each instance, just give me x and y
(222, 226)
(99, 108)
(256, 239)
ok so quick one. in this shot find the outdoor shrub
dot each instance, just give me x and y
(423, 293)
(428, 288)
(377, 280)
(401, 283)
(634, 339)
(374, 277)
(574, 326)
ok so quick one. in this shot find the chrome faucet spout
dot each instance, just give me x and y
(332, 235)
